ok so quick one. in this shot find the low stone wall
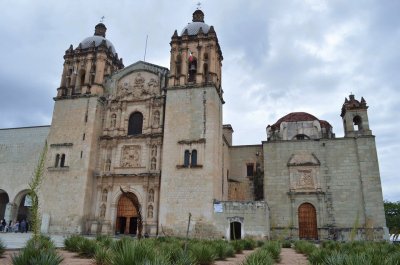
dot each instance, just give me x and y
(253, 217)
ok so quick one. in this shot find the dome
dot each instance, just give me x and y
(198, 22)
(194, 27)
(86, 43)
(298, 117)
(99, 35)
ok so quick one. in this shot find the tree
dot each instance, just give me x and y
(392, 214)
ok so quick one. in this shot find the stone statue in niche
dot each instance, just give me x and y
(102, 211)
(150, 211)
(156, 118)
(104, 195)
(113, 120)
(130, 156)
(151, 195)
(107, 166)
(305, 179)
(152, 85)
(154, 151)
(153, 163)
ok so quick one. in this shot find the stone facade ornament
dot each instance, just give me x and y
(130, 156)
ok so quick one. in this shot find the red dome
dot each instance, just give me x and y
(297, 117)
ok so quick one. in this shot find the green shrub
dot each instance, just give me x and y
(274, 249)
(203, 253)
(238, 246)
(304, 247)
(40, 250)
(286, 244)
(259, 257)
(72, 243)
(223, 249)
(102, 255)
(133, 252)
(104, 240)
(87, 247)
(260, 243)
(249, 244)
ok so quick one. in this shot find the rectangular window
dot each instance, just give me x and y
(250, 170)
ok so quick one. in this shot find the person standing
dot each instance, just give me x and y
(23, 226)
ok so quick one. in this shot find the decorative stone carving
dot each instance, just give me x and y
(150, 211)
(154, 151)
(153, 86)
(305, 179)
(130, 156)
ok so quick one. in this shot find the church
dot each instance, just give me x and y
(142, 149)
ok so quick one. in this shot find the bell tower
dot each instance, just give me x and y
(86, 66)
(355, 117)
(192, 174)
(74, 134)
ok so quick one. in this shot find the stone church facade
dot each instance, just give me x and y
(143, 148)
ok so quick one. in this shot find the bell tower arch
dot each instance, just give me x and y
(355, 117)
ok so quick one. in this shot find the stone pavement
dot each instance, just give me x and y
(18, 240)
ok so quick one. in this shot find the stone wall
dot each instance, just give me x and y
(339, 177)
(253, 217)
(20, 149)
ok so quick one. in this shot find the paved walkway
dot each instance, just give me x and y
(290, 257)
(18, 240)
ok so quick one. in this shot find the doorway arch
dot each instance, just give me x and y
(22, 201)
(307, 221)
(127, 215)
(236, 230)
(4, 200)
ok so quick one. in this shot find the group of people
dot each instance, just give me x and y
(14, 226)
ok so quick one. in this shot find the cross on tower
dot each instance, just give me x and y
(198, 5)
(102, 19)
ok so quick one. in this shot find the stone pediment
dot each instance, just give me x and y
(303, 159)
(140, 80)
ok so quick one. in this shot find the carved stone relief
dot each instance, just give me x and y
(305, 179)
(130, 156)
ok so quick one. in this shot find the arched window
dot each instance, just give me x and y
(186, 158)
(301, 137)
(192, 63)
(193, 161)
(357, 123)
(205, 72)
(82, 77)
(135, 123)
(62, 162)
(178, 65)
(57, 160)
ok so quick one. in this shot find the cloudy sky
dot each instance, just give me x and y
(279, 57)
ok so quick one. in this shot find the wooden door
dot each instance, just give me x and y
(125, 212)
(307, 222)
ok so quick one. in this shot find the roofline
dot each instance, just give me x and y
(28, 127)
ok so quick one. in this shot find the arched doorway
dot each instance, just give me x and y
(127, 215)
(3, 203)
(236, 230)
(307, 222)
(23, 208)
